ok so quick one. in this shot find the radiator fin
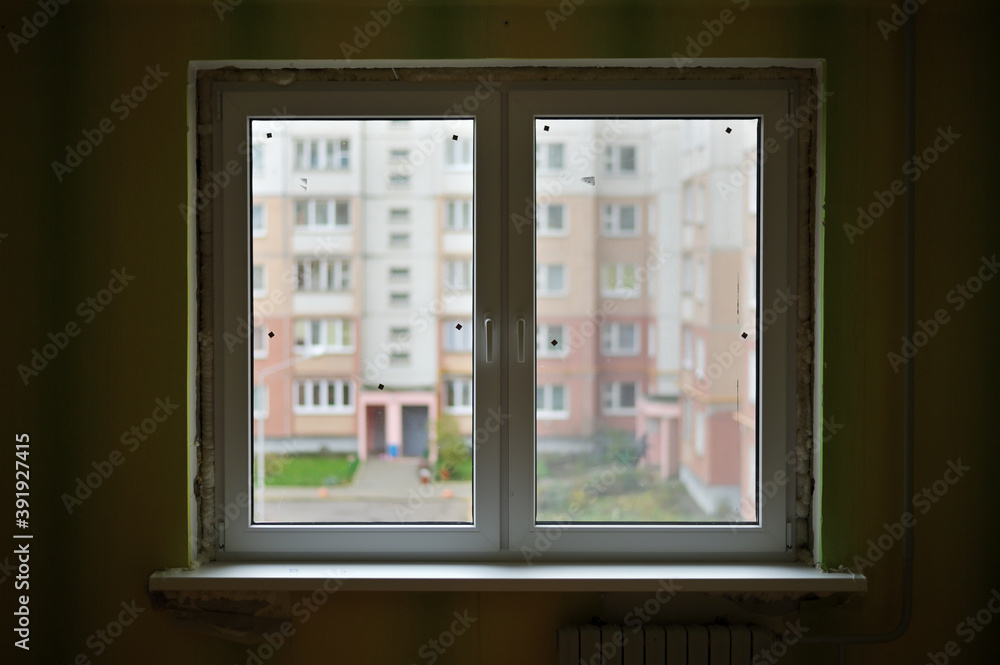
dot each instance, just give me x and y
(662, 645)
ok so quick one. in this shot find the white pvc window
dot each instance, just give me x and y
(510, 282)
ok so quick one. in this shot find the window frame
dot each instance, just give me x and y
(540, 101)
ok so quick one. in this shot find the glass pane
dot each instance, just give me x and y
(364, 403)
(632, 429)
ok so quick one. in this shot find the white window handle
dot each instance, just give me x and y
(520, 340)
(489, 339)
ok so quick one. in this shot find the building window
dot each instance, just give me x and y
(323, 275)
(260, 342)
(397, 156)
(458, 154)
(550, 156)
(399, 240)
(700, 359)
(547, 334)
(699, 433)
(619, 219)
(322, 154)
(620, 339)
(399, 215)
(618, 398)
(688, 361)
(318, 336)
(399, 275)
(322, 214)
(619, 281)
(551, 280)
(260, 402)
(458, 395)
(399, 299)
(619, 160)
(259, 282)
(399, 180)
(551, 402)
(258, 159)
(318, 396)
(399, 358)
(259, 222)
(458, 275)
(458, 216)
(688, 279)
(457, 335)
(551, 220)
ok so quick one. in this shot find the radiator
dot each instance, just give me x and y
(662, 645)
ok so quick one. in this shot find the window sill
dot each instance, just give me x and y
(793, 579)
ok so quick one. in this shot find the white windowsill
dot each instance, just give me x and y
(790, 578)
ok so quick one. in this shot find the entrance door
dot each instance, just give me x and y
(415, 433)
(375, 424)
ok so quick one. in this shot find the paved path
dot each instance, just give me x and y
(383, 490)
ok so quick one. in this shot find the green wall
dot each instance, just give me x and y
(118, 209)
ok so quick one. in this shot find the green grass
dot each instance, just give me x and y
(460, 471)
(310, 470)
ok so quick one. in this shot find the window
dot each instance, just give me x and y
(259, 222)
(459, 215)
(458, 275)
(258, 159)
(260, 342)
(427, 377)
(398, 156)
(319, 336)
(550, 156)
(619, 281)
(260, 405)
(457, 335)
(399, 240)
(322, 214)
(551, 220)
(458, 154)
(458, 395)
(618, 398)
(619, 160)
(620, 339)
(551, 280)
(328, 154)
(549, 341)
(323, 275)
(318, 396)
(259, 282)
(551, 401)
(619, 219)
